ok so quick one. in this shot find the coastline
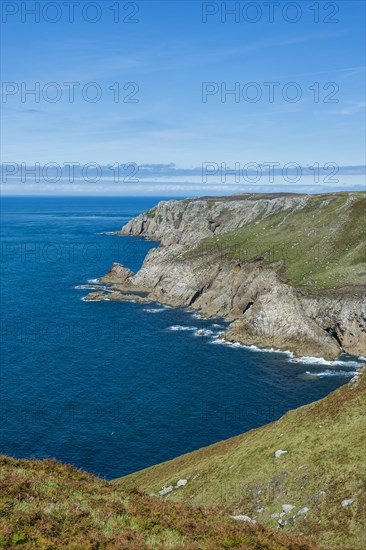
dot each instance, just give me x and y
(265, 309)
(120, 296)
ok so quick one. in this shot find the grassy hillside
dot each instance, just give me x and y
(322, 245)
(45, 505)
(323, 467)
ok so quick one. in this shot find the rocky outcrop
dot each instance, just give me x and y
(342, 314)
(115, 296)
(265, 310)
(117, 274)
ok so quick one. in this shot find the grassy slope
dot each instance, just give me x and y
(47, 505)
(323, 245)
(325, 464)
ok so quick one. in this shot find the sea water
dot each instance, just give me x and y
(113, 387)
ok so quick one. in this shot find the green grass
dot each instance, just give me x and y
(325, 444)
(45, 505)
(321, 246)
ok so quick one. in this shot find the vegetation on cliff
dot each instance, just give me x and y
(45, 505)
(315, 487)
(322, 244)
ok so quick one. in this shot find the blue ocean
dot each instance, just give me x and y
(115, 387)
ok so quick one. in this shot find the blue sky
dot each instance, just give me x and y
(168, 54)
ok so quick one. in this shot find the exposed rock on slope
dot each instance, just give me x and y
(288, 270)
(303, 473)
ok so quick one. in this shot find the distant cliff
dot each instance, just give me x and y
(287, 269)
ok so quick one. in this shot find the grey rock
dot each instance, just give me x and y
(165, 490)
(280, 452)
(241, 517)
(181, 483)
(286, 508)
(301, 512)
(264, 310)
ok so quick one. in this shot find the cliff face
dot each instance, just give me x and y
(287, 270)
(190, 220)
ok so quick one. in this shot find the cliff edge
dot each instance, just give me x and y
(287, 270)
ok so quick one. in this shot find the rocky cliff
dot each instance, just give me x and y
(287, 270)
(188, 221)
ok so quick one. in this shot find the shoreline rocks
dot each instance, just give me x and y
(265, 310)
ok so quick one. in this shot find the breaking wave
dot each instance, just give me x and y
(328, 372)
(181, 327)
(307, 360)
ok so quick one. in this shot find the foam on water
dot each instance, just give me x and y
(162, 307)
(328, 372)
(181, 327)
(320, 361)
(88, 287)
(198, 316)
(291, 359)
(217, 340)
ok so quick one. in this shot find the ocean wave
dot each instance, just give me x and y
(217, 340)
(88, 287)
(307, 360)
(270, 350)
(181, 327)
(154, 309)
(94, 281)
(198, 316)
(328, 372)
